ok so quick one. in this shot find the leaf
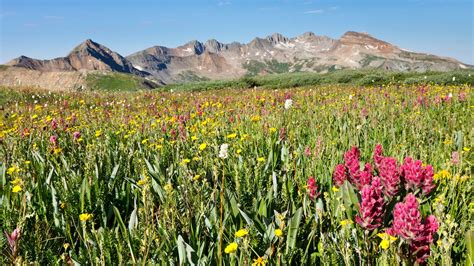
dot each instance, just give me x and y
(470, 247)
(184, 249)
(294, 225)
(124, 231)
(246, 217)
(133, 222)
(234, 206)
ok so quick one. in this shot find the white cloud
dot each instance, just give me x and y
(316, 11)
(224, 3)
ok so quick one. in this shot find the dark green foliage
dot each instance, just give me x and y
(346, 76)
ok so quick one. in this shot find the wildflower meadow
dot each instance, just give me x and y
(326, 175)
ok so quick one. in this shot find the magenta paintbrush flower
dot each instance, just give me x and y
(378, 155)
(371, 207)
(312, 188)
(407, 224)
(389, 174)
(339, 175)
(351, 161)
(417, 176)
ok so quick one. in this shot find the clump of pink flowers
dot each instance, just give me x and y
(371, 206)
(312, 188)
(407, 224)
(381, 186)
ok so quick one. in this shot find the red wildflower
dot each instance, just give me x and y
(407, 224)
(312, 187)
(390, 176)
(417, 176)
(351, 161)
(339, 175)
(378, 155)
(371, 207)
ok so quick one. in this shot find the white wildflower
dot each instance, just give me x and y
(223, 152)
(288, 103)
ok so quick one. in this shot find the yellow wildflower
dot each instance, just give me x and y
(85, 216)
(168, 188)
(231, 248)
(202, 146)
(260, 261)
(346, 222)
(98, 133)
(239, 151)
(260, 159)
(16, 181)
(13, 169)
(448, 142)
(255, 118)
(335, 189)
(442, 174)
(466, 149)
(185, 161)
(241, 233)
(278, 232)
(272, 130)
(386, 240)
(196, 177)
(16, 189)
(142, 181)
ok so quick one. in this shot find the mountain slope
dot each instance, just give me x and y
(278, 54)
(89, 55)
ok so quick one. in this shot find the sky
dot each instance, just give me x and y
(46, 29)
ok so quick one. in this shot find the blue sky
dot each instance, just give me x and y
(47, 29)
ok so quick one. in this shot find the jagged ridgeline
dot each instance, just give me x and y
(213, 60)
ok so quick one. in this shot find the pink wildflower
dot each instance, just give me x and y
(455, 158)
(378, 155)
(417, 176)
(390, 176)
(53, 140)
(371, 207)
(351, 161)
(76, 135)
(407, 224)
(312, 187)
(339, 175)
(54, 124)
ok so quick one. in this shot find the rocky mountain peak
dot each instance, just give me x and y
(276, 38)
(308, 34)
(213, 46)
(195, 46)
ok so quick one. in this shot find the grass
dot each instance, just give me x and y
(143, 177)
(342, 77)
(114, 82)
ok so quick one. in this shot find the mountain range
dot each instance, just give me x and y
(215, 60)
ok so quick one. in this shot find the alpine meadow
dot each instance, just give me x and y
(227, 132)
